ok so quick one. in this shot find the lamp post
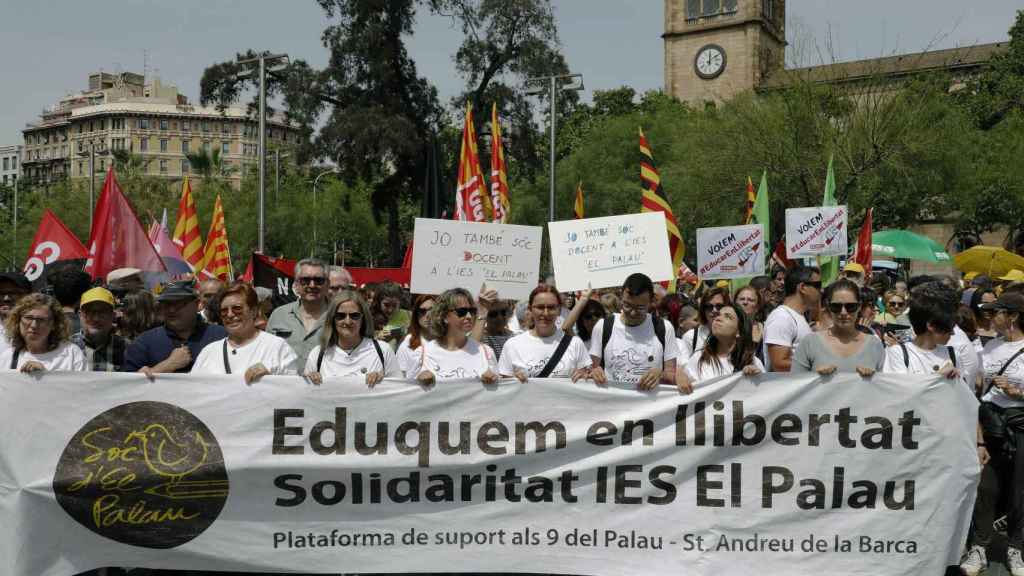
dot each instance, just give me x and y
(14, 235)
(554, 85)
(261, 63)
(92, 175)
(315, 181)
(277, 173)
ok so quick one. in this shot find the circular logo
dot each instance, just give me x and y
(147, 474)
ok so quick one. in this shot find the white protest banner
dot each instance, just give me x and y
(454, 254)
(819, 231)
(730, 252)
(602, 252)
(780, 475)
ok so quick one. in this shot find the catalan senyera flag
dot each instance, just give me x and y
(471, 199)
(577, 207)
(748, 214)
(499, 175)
(186, 229)
(216, 254)
(654, 199)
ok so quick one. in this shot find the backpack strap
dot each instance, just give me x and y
(659, 332)
(693, 343)
(563, 344)
(227, 365)
(952, 355)
(380, 354)
(906, 357)
(606, 335)
(1003, 369)
(320, 358)
(14, 358)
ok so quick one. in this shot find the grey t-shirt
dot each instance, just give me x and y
(812, 353)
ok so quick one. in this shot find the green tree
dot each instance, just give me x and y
(1000, 88)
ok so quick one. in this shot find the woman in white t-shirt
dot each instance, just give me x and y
(453, 355)
(932, 318)
(729, 348)
(408, 354)
(347, 348)
(38, 334)
(527, 354)
(246, 350)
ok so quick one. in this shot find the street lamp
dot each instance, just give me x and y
(315, 181)
(92, 175)
(554, 85)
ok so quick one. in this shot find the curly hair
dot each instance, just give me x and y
(329, 334)
(444, 304)
(59, 326)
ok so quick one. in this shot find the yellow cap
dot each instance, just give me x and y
(722, 284)
(1013, 276)
(970, 276)
(97, 294)
(853, 267)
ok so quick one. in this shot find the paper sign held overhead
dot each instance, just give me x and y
(818, 231)
(453, 254)
(602, 252)
(730, 252)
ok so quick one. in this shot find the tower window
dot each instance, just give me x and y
(768, 9)
(696, 9)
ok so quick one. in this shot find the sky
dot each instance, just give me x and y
(49, 47)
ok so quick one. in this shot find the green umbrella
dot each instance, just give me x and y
(906, 245)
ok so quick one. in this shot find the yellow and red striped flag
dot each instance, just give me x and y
(216, 253)
(186, 229)
(471, 199)
(653, 199)
(577, 207)
(748, 213)
(499, 176)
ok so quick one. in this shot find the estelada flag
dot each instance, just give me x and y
(216, 253)
(186, 236)
(53, 243)
(748, 212)
(117, 239)
(653, 199)
(471, 199)
(499, 175)
(862, 253)
(577, 207)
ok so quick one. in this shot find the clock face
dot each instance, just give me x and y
(710, 61)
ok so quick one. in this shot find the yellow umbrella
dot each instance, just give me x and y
(990, 260)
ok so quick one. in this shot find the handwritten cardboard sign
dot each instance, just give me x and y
(602, 252)
(819, 231)
(454, 254)
(730, 252)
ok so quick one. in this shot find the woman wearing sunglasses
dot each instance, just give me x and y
(495, 314)
(246, 350)
(711, 303)
(986, 330)
(408, 354)
(729, 349)
(347, 348)
(842, 347)
(453, 355)
(545, 350)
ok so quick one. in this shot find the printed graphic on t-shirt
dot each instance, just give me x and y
(631, 364)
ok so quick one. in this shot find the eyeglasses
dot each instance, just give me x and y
(233, 310)
(423, 310)
(496, 313)
(465, 311)
(634, 307)
(40, 320)
(314, 280)
(545, 308)
(895, 303)
(355, 316)
(716, 307)
(837, 307)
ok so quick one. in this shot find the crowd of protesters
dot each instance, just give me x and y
(969, 331)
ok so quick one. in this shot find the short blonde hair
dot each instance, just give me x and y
(444, 304)
(59, 326)
(329, 335)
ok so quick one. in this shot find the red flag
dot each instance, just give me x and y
(779, 254)
(407, 261)
(117, 239)
(53, 243)
(471, 200)
(862, 253)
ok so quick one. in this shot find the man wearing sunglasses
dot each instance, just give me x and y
(300, 322)
(787, 324)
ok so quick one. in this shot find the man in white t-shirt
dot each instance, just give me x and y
(786, 325)
(636, 351)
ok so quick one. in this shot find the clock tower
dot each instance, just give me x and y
(715, 49)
